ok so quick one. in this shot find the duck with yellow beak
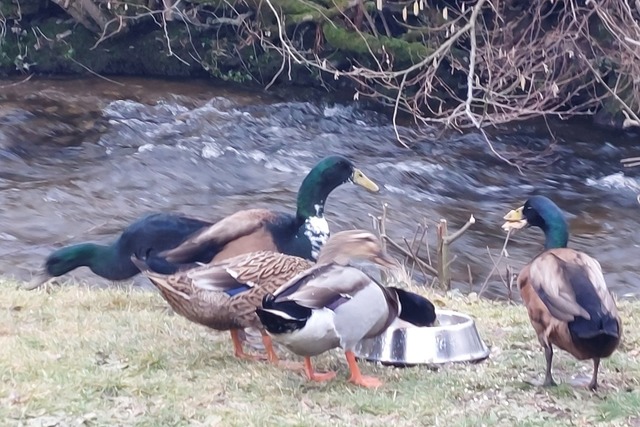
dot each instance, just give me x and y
(564, 291)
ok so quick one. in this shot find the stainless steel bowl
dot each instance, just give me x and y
(454, 339)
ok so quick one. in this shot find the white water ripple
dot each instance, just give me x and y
(615, 181)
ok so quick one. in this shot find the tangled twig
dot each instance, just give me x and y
(411, 250)
(454, 65)
(518, 65)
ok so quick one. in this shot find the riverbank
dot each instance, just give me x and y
(75, 355)
(443, 63)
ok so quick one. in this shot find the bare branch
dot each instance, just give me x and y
(426, 266)
(455, 236)
(503, 252)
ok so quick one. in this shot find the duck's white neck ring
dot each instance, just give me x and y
(316, 228)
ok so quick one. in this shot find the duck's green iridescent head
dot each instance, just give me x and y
(540, 211)
(328, 174)
(63, 261)
(66, 259)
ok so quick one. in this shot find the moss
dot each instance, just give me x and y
(402, 51)
(295, 11)
(294, 7)
(143, 50)
(144, 53)
(289, 7)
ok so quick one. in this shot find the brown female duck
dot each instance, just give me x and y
(225, 296)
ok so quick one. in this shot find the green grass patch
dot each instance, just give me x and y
(103, 357)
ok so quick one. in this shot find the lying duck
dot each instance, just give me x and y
(301, 235)
(564, 291)
(242, 232)
(336, 305)
(145, 238)
(225, 296)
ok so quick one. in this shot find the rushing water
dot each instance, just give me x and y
(79, 159)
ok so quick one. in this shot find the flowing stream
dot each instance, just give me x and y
(81, 158)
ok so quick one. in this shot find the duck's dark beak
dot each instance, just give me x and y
(359, 178)
(39, 279)
(515, 220)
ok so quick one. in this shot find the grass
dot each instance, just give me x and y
(115, 357)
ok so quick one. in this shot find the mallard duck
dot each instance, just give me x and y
(334, 305)
(146, 238)
(302, 234)
(564, 291)
(242, 232)
(224, 296)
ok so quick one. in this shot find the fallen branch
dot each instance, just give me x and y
(409, 255)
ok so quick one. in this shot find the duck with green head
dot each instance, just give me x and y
(146, 238)
(301, 234)
(564, 290)
(196, 241)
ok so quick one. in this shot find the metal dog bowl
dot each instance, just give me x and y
(454, 339)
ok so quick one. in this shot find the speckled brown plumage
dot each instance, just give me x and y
(225, 296)
(200, 294)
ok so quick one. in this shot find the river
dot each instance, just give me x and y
(81, 158)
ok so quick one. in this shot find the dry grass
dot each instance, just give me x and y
(75, 356)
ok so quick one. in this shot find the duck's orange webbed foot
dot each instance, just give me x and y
(238, 351)
(316, 376)
(357, 377)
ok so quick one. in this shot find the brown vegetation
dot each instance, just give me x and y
(456, 64)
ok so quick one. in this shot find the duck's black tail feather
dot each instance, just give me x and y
(600, 334)
(597, 337)
(599, 325)
(281, 317)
